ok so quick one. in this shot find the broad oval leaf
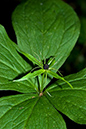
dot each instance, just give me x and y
(12, 65)
(46, 28)
(28, 111)
(71, 102)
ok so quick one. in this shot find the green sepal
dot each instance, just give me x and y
(30, 75)
(59, 77)
(31, 58)
(51, 61)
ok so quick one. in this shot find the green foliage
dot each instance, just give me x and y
(71, 102)
(46, 33)
(46, 29)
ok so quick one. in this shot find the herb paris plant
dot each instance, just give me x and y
(45, 69)
(46, 33)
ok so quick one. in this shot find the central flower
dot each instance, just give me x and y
(46, 66)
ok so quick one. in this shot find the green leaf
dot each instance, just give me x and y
(12, 65)
(46, 28)
(29, 112)
(71, 102)
(31, 75)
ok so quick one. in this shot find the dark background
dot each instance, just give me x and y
(75, 62)
(77, 58)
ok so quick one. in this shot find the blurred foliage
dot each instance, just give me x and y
(77, 59)
(82, 38)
